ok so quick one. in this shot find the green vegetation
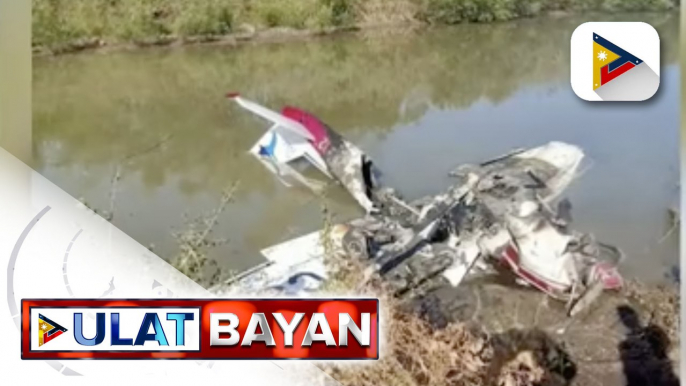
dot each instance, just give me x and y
(194, 242)
(90, 110)
(98, 107)
(458, 11)
(60, 25)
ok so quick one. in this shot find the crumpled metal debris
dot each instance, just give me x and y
(501, 214)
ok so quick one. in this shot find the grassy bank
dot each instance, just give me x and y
(63, 25)
(132, 99)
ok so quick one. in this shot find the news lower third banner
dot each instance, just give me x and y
(200, 329)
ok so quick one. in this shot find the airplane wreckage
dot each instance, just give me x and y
(503, 215)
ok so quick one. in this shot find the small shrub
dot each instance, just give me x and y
(59, 23)
(341, 12)
(194, 243)
(295, 14)
(209, 18)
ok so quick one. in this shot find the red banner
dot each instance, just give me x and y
(200, 329)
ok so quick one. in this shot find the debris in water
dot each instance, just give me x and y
(502, 215)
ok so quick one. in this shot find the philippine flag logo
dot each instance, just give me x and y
(48, 330)
(615, 61)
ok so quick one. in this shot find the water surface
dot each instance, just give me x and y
(419, 103)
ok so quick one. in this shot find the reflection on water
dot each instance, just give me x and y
(418, 102)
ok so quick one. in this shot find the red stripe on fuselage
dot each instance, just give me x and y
(312, 124)
(606, 76)
(511, 256)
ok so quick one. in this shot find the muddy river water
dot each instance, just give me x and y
(419, 102)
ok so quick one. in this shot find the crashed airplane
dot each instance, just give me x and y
(501, 216)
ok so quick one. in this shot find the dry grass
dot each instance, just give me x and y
(414, 353)
(379, 12)
(194, 242)
(661, 304)
(74, 24)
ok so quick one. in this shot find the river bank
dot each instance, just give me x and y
(90, 108)
(510, 84)
(63, 27)
(521, 338)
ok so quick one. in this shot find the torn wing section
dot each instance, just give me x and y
(296, 134)
(346, 162)
(285, 142)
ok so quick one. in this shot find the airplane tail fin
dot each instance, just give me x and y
(271, 116)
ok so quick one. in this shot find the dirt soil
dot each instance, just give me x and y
(625, 338)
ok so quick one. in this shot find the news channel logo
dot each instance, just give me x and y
(615, 61)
